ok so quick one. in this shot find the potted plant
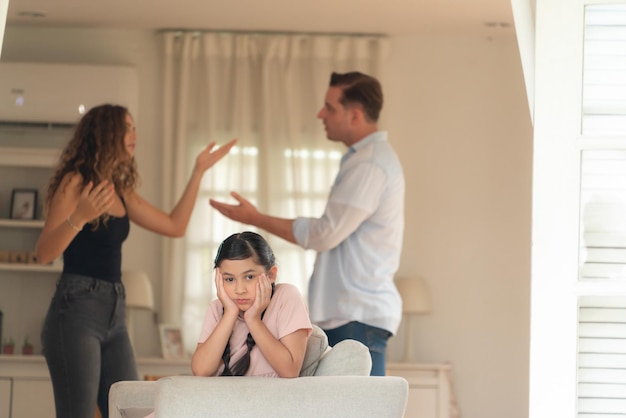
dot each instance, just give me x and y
(8, 345)
(27, 347)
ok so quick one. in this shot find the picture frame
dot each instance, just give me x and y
(23, 204)
(172, 346)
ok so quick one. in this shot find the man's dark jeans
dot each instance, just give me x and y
(374, 338)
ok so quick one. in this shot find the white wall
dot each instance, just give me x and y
(458, 116)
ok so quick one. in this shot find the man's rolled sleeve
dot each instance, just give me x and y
(327, 232)
(300, 229)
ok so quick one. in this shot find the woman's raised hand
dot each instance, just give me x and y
(207, 158)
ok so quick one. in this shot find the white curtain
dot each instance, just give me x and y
(265, 90)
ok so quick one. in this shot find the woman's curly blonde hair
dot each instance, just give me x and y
(97, 152)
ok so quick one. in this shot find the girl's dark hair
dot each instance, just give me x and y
(244, 245)
(241, 246)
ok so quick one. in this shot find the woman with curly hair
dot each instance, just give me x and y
(90, 202)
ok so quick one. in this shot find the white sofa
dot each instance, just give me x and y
(334, 382)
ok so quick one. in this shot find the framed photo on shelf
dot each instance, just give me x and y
(172, 346)
(23, 203)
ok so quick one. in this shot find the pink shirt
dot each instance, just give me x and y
(285, 314)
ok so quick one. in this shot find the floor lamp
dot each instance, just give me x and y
(138, 296)
(415, 300)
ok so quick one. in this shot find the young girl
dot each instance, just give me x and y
(256, 327)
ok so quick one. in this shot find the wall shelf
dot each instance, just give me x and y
(55, 268)
(19, 223)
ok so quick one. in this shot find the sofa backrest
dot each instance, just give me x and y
(266, 397)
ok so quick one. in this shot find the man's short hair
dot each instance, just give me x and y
(362, 89)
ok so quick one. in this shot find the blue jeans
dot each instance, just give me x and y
(86, 344)
(374, 338)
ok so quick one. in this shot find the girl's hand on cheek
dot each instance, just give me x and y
(230, 307)
(262, 299)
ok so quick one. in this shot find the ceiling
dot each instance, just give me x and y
(393, 17)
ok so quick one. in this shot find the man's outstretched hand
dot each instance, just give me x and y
(244, 212)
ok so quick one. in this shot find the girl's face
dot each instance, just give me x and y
(241, 278)
(130, 138)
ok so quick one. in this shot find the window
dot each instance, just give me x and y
(265, 90)
(578, 301)
(601, 352)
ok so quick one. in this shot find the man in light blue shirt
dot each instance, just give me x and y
(358, 239)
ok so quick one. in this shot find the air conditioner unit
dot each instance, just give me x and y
(42, 93)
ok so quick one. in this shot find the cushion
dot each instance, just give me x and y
(346, 358)
(316, 346)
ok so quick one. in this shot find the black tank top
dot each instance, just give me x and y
(98, 253)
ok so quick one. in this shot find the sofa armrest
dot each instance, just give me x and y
(131, 399)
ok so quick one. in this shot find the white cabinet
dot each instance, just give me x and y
(5, 398)
(32, 397)
(430, 389)
(26, 390)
